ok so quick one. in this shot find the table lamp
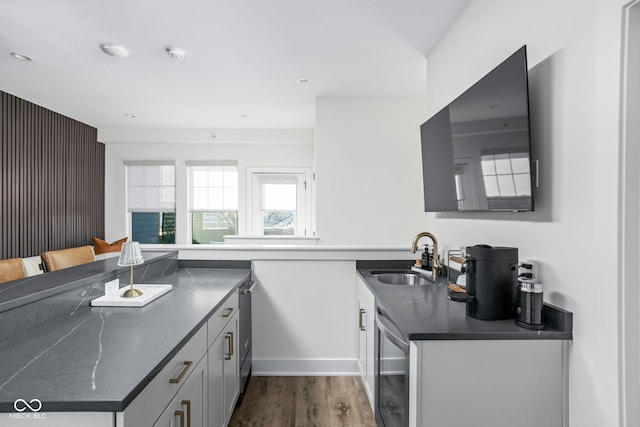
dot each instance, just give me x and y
(131, 255)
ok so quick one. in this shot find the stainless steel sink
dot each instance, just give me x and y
(401, 277)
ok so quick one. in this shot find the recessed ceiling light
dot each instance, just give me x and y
(176, 53)
(114, 50)
(130, 116)
(22, 57)
(243, 115)
(303, 79)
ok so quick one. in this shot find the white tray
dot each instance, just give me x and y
(149, 293)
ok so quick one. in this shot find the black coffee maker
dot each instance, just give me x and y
(491, 275)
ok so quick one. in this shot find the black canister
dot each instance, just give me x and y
(529, 304)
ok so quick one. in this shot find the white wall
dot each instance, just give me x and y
(254, 154)
(368, 170)
(630, 220)
(304, 317)
(574, 49)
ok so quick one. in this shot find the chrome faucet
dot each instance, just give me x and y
(436, 262)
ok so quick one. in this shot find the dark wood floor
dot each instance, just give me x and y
(304, 402)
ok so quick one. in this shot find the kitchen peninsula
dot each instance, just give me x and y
(86, 364)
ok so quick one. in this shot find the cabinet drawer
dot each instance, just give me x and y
(221, 317)
(165, 385)
(191, 401)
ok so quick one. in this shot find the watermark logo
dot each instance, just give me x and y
(27, 410)
(21, 405)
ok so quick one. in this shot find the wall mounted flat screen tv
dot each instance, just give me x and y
(476, 152)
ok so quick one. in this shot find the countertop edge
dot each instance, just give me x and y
(491, 336)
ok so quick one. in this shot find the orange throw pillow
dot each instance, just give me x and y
(102, 247)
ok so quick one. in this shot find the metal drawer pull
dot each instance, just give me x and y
(250, 289)
(229, 311)
(229, 336)
(187, 403)
(187, 365)
(181, 415)
(360, 322)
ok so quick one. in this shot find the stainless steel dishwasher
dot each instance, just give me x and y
(391, 373)
(244, 336)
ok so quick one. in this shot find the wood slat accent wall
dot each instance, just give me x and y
(51, 180)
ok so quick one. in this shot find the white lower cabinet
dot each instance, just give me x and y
(231, 369)
(224, 380)
(200, 385)
(216, 382)
(499, 383)
(168, 385)
(366, 329)
(189, 407)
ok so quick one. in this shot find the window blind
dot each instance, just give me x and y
(151, 188)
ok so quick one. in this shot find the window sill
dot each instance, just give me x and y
(271, 240)
(288, 252)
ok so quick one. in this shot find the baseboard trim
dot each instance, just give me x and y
(305, 367)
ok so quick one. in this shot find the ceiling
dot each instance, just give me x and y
(242, 57)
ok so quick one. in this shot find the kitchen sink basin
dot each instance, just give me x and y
(402, 277)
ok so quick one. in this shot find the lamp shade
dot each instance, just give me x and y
(130, 254)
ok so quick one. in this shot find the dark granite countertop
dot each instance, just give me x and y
(100, 358)
(30, 289)
(426, 312)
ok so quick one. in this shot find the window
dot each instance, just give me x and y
(279, 208)
(151, 202)
(279, 203)
(213, 201)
